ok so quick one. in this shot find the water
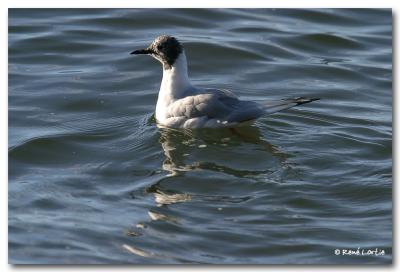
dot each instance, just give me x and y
(93, 180)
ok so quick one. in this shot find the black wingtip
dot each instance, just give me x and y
(314, 99)
(304, 100)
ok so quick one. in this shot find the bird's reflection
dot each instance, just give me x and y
(184, 152)
(179, 145)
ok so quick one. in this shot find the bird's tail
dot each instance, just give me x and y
(278, 105)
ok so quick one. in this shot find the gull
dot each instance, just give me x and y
(182, 105)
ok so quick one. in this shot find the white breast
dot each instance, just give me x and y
(175, 85)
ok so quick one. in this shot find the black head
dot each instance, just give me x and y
(165, 49)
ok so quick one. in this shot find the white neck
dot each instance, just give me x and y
(174, 83)
(176, 80)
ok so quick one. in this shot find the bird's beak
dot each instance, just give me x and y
(142, 52)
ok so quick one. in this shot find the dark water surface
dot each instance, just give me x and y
(93, 180)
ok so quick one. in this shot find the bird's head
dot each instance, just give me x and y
(166, 49)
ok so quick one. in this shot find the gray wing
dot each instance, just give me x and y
(216, 104)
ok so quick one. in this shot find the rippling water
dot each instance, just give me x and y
(93, 180)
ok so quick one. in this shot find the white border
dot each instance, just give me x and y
(172, 3)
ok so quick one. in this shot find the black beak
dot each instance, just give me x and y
(142, 52)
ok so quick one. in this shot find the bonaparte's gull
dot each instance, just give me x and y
(181, 105)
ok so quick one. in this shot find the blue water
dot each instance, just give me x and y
(93, 180)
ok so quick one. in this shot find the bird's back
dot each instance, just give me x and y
(210, 108)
